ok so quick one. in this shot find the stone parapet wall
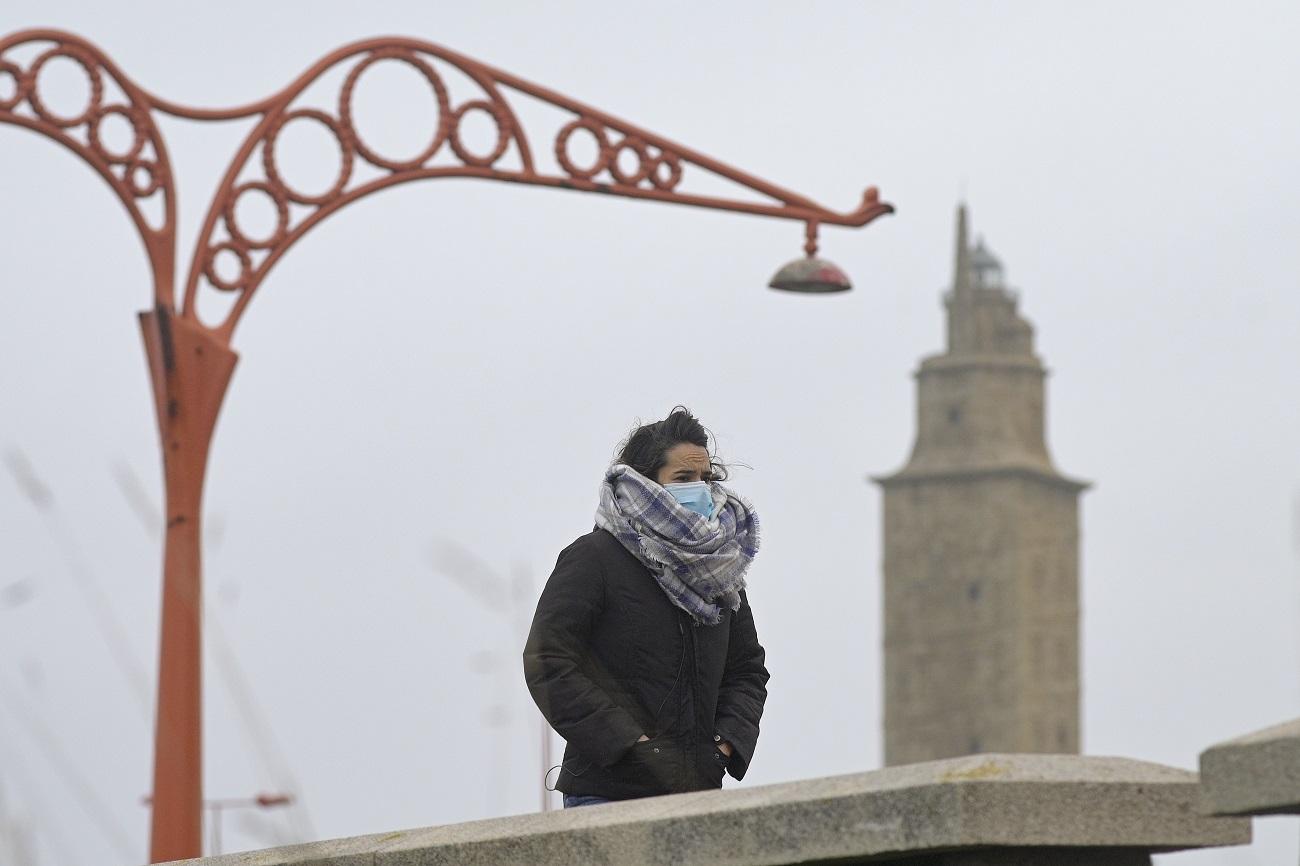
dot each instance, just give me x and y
(1258, 774)
(1012, 810)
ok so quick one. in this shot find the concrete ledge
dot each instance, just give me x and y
(1258, 774)
(990, 809)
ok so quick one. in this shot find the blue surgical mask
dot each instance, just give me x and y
(695, 495)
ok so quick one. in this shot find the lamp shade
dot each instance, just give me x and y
(810, 275)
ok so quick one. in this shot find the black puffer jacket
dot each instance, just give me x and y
(610, 658)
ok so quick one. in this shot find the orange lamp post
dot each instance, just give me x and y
(191, 360)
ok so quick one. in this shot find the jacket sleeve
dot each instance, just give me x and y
(556, 661)
(743, 691)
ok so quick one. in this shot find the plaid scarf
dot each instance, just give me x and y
(699, 562)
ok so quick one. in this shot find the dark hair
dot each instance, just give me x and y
(646, 449)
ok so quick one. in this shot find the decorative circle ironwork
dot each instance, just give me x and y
(345, 152)
(210, 266)
(503, 132)
(669, 183)
(138, 135)
(277, 197)
(643, 164)
(92, 73)
(562, 148)
(14, 71)
(132, 177)
(439, 92)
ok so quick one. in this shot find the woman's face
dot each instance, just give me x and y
(684, 463)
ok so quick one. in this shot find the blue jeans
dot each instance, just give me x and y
(572, 800)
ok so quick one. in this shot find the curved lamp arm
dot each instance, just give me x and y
(136, 174)
(654, 171)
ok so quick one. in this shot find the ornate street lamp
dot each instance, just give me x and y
(190, 359)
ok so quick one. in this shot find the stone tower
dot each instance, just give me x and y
(981, 552)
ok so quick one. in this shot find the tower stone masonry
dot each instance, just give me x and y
(981, 545)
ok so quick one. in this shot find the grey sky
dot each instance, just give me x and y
(455, 361)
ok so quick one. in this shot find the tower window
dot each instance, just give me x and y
(973, 591)
(954, 414)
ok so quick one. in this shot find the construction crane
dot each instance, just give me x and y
(509, 599)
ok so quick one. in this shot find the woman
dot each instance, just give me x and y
(642, 653)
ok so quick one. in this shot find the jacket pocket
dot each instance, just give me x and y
(653, 765)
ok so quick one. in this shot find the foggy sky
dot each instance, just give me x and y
(449, 365)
